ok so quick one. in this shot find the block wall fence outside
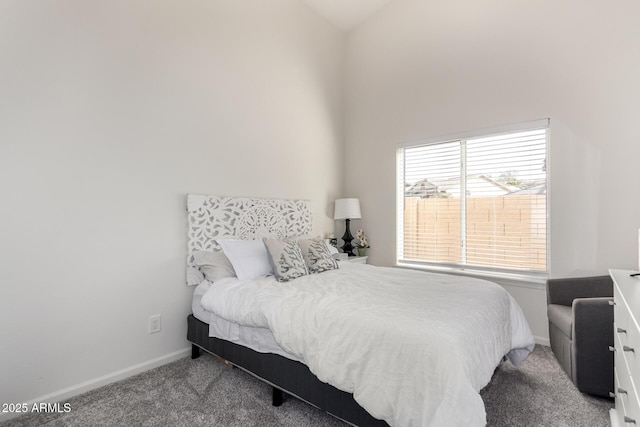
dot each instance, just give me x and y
(506, 230)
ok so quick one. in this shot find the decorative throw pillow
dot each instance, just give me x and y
(214, 265)
(286, 259)
(332, 249)
(249, 258)
(316, 255)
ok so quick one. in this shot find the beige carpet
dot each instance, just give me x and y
(204, 392)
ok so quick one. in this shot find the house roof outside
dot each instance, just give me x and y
(478, 185)
(534, 188)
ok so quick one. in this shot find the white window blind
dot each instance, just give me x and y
(476, 202)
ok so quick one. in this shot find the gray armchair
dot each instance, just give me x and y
(581, 330)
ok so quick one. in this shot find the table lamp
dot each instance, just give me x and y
(347, 209)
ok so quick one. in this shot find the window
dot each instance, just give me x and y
(476, 201)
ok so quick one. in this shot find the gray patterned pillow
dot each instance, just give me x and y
(317, 255)
(286, 259)
(214, 265)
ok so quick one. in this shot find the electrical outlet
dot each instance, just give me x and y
(154, 323)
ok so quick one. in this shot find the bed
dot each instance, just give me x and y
(369, 345)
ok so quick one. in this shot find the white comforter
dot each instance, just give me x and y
(414, 348)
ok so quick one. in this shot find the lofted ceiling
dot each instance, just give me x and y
(346, 14)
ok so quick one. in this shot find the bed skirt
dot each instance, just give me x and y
(292, 377)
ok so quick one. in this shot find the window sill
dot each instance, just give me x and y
(510, 279)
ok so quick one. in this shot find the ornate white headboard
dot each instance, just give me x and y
(213, 217)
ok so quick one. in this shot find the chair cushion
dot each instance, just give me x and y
(562, 317)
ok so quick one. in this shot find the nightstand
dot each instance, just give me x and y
(357, 259)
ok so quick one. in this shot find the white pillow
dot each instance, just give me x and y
(249, 258)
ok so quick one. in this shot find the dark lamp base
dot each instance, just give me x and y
(347, 248)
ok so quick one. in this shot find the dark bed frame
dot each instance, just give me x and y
(284, 375)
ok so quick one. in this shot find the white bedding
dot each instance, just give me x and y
(258, 339)
(414, 348)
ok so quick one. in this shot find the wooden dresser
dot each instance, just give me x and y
(626, 297)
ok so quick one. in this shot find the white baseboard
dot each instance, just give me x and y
(69, 392)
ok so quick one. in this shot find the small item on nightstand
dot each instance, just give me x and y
(363, 243)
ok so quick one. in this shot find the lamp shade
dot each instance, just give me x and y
(347, 209)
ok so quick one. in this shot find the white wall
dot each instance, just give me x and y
(110, 112)
(422, 69)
